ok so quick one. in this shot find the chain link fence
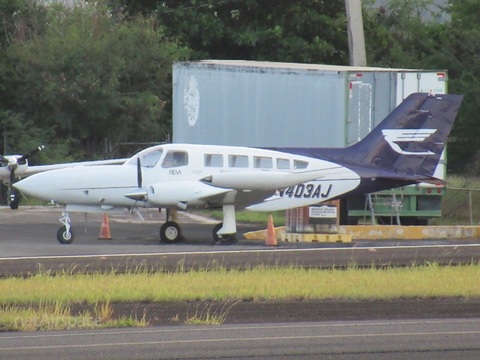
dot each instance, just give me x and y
(461, 206)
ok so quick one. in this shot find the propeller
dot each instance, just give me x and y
(139, 173)
(30, 154)
(140, 194)
(12, 164)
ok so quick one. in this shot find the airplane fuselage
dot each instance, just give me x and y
(181, 175)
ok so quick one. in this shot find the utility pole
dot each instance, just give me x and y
(356, 39)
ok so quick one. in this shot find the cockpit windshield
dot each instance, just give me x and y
(148, 158)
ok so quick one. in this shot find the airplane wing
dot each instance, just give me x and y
(13, 167)
(41, 168)
(188, 194)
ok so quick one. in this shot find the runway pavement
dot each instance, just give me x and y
(28, 242)
(359, 340)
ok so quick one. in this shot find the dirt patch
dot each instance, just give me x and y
(243, 312)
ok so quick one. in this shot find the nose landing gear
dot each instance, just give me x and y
(65, 234)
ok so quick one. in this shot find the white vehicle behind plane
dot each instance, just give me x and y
(404, 149)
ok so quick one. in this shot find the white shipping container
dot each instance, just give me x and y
(266, 104)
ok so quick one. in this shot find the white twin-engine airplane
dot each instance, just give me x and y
(403, 149)
(15, 167)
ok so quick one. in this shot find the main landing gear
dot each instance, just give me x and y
(170, 232)
(224, 233)
(225, 239)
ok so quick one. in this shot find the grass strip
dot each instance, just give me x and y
(58, 316)
(42, 301)
(256, 284)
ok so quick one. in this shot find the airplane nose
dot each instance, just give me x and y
(23, 186)
(32, 186)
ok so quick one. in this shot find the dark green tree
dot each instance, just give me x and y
(88, 77)
(416, 34)
(307, 31)
(10, 123)
(404, 34)
(460, 53)
(93, 77)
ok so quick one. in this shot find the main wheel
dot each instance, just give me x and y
(63, 236)
(170, 232)
(225, 239)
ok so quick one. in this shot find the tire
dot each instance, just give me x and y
(216, 238)
(63, 237)
(226, 239)
(170, 232)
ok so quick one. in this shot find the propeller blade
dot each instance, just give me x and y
(139, 173)
(139, 194)
(12, 177)
(13, 198)
(31, 153)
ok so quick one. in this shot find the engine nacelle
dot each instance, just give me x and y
(183, 193)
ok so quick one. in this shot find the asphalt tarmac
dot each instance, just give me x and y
(414, 329)
(28, 243)
(346, 340)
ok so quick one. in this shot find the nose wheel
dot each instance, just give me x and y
(65, 234)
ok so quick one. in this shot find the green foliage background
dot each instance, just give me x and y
(88, 78)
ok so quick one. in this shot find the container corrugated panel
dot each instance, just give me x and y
(370, 100)
(265, 104)
(258, 106)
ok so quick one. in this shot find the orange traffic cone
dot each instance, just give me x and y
(271, 239)
(105, 229)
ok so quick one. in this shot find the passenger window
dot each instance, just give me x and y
(237, 160)
(213, 160)
(283, 164)
(299, 164)
(175, 158)
(262, 162)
